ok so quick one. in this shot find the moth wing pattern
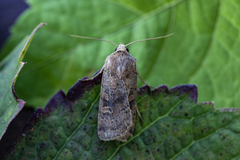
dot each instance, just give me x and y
(133, 106)
(117, 108)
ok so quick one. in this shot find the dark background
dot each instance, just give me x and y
(9, 11)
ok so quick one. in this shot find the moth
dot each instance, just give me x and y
(117, 106)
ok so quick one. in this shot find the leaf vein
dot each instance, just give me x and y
(76, 128)
(146, 128)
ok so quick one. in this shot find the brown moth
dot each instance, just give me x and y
(117, 107)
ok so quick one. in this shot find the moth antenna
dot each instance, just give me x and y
(148, 39)
(94, 39)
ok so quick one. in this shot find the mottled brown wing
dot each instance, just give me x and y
(117, 106)
(115, 115)
(132, 91)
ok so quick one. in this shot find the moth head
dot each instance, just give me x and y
(122, 47)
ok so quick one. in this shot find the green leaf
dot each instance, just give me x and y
(10, 67)
(174, 127)
(203, 50)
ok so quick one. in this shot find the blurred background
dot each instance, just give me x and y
(203, 50)
(9, 12)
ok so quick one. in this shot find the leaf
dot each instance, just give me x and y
(203, 50)
(174, 127)
(10, 67)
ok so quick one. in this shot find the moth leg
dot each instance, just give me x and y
(139, 114)
(96, 74)
(143, 80)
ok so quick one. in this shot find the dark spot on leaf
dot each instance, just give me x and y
(162, 105)
(85, 146)
(68, 127)
(168, 125)
(147, 151)
(97, 108)
(84, 128)
(180, 107)
(42, 145)
(100, 149)
(224, 120)
(90, 118)
(158, 150)
(174, 124)
(220, 154)
(194, 153)
(83, 109)
(186, 114)
(146, 106)
(120, 158)
(105, 149)
(202, 131)
(85, 154)
(223, 137)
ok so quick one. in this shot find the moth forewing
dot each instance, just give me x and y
(117, 108)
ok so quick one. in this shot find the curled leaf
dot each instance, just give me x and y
(10, 67)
